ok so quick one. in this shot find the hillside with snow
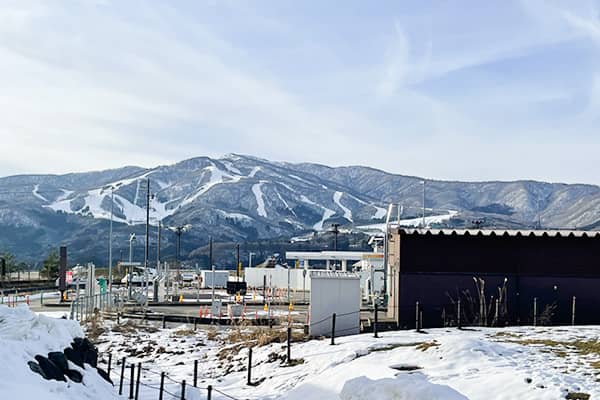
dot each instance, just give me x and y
(240, 198)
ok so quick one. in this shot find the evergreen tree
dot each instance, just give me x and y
(51, 264)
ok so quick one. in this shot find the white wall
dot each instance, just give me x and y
(277, 277)
(334, 292)
(220, 279)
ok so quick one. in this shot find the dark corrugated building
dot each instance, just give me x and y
(500, 277)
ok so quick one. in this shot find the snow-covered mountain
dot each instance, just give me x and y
(244, 198)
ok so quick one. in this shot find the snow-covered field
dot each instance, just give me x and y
(515, 363)
(490, 363)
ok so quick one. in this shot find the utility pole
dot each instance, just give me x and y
(158, 248)
(423, 204)
(110, 232)
(335, 238)
(212, 267)
(147, 234)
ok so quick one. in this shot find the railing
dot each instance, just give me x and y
(83, 307)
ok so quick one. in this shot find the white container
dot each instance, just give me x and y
(334, 292)
(278, 278)
(219, 279)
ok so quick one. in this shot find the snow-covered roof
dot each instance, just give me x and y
(499, 232)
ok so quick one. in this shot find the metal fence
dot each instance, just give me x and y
(84, 307)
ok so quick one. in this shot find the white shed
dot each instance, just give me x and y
(334, 292)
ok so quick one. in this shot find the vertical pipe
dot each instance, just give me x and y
(109, 363)
(122, 376)
(573, 312)
(497, 311)
(195, 373)
(333, 329)
(420, 319)
(458, 317)
(209, 390)
(417, 316)
(535, 311)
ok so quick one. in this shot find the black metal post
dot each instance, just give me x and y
(137, 381)
(122, 376)
(289, 345)
(164, 323)
(249, 367)
(109, 363)
(209, 390)
(162, 386)
(195, 373)
(183, 390)
(375, 322)
(131, 381)
(333, 329)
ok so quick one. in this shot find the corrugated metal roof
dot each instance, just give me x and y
(497, 232)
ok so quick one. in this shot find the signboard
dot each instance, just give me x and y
(69, 277)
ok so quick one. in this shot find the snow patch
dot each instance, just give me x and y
(37, 194)
(337, 196)
(258, 194)
(403, 387)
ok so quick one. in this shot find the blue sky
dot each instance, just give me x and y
(459, 90)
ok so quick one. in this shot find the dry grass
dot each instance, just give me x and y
(427, 345)
(184, 332)
(577, 396)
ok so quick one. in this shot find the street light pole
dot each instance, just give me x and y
(130, 279)
(110, 278)
(423, 204)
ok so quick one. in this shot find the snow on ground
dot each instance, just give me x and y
(260, 202)
(337, 197)
(514, 363)
(23, 335)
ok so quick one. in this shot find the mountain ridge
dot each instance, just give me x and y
(244, 198)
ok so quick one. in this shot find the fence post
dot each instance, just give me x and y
(162, 386)
(195, 324)
(183, 390)
(535, 311)
(137, 382)
(209, 390)
(417, 316)
(131, 381)
(122, 376)
(42, 299)
(249, 366)
(109, 363)
(163, 322)
(376, 311)
(195, 373)
(333, 329)
(573, 312)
